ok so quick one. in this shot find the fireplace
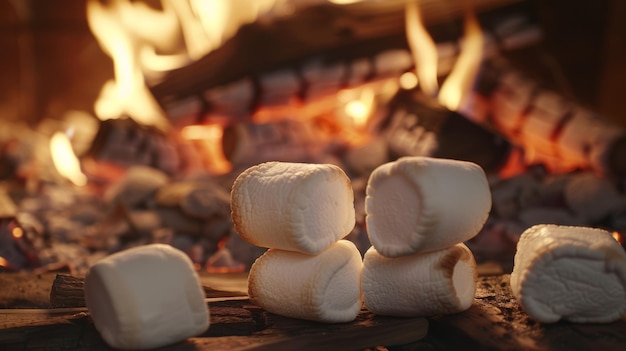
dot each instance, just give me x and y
(540, 116)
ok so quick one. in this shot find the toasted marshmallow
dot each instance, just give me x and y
(423, 284)
(421, 204)
(571, 273)
(322, 288)
(146, 297)
(293, 206)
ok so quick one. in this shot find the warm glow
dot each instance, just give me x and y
(125, 30)
(210, 137)
(408, 81)
(464, 72)
(17, 232)
(213, 132)
(358, 105)
(145, 42)
(358, 111)
(4, 262)
(423, 49)
(617, 236)
(64, 159)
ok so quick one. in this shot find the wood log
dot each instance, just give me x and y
(333, 33)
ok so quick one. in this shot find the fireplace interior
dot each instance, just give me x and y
(125, 123)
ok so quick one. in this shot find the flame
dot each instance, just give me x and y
(424, 51)
(144, 43)
(617, 236)
(4, 262)
(423, 48)
(210, 137)
(64, 159)
(464, 72)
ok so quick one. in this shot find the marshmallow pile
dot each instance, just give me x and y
(576, 274)
(146, 297)
(419, 211)
(300, 212)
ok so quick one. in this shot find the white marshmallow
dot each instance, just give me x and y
(146, 297)
(422, 284)
(420, 204)
(293, 206)
(322, 288)
(572, 273)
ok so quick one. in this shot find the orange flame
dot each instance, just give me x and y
(617, 236)
(459, 81)
(64, 159)
(464, 72)
(210, 137)
(423, 48)
(4, 262)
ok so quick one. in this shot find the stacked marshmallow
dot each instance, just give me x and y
(300, 212)
(419, 211)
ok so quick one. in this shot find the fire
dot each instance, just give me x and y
(210, 137)
(464, 72)
(64, 159)
(424, 51)
(116, 29)
(4, 262)
(144, 43)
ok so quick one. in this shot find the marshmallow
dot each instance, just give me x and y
(146, 297)
(322, 288)
(420, 204)
(422, 284)
(293, 206)
(572, 273)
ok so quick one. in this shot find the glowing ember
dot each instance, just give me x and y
(359, 107)
(17, 232)
(4, 262)
(210, 138)
(65, 161)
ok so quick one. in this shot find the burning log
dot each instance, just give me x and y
(302, 58)
(126, 143)
(245, 144)
(551, 129)
(418, 126)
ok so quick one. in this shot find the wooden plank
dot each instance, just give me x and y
(494, 322)
(235, 325)
(497, 322)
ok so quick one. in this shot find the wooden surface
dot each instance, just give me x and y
(494, 322)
